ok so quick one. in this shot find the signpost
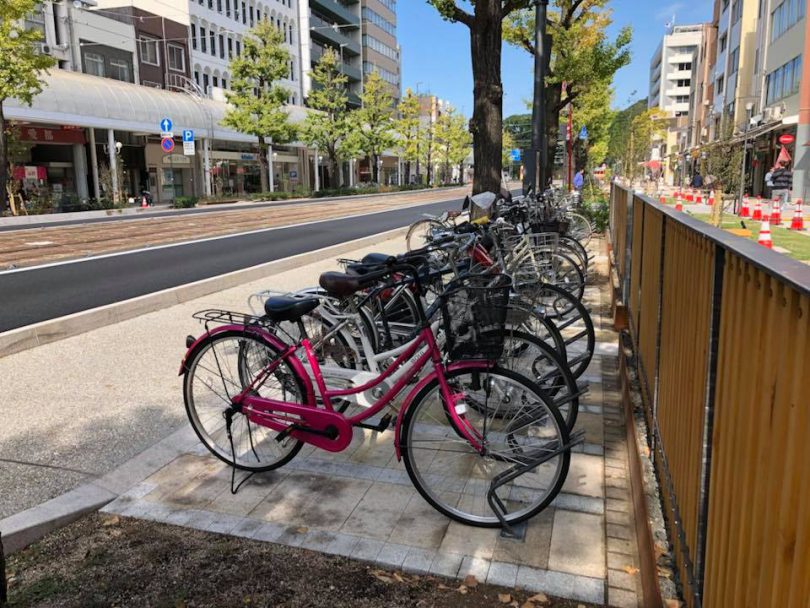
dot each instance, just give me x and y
(786, 139)
(167, 144)
(188, 143)
(165, 126)
(515, 155)
(583, 133)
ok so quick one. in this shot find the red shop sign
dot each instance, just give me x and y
(786, 139)
(45, 135)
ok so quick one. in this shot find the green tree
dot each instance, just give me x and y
(452, 141)
(408, 129)
(519, 127)
(582, 55)
(619, 130)
(21, 72)
(645, 129)
(327, 127)
(593, 111)
(485, 23)
(257, 102)
(508, 145)
(374, 121)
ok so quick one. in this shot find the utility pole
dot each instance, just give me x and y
(536, 167)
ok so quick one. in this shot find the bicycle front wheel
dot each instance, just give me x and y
(420, 232)
(524, 460)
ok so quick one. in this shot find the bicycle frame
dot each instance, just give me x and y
(325, 428)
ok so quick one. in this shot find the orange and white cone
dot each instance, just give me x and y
(710, 200)
(757, 215)
(699, 197)
(678, 205)
(663, 200)
(776, 211)
(797, 223)
(744, 210)
(764, 238)
(690, 196)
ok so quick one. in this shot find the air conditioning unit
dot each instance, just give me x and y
(773, 113)
(45, 49)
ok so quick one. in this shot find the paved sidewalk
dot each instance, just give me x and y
(360, 503)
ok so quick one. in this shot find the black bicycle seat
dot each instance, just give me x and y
(285, 308)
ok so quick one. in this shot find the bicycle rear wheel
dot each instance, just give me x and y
(222, 367)
(419, 233)
(523, 434)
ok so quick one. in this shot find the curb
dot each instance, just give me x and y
(24, 528)
(38, 334)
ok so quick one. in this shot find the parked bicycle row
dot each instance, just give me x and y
(468, 345)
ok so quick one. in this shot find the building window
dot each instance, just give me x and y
(687, 67)
(149, 50)
(784, 81)
(386, 75)
(203, 40)
(251, 16)
(224, 84)
(736, 11)
(205, 83)
(212, 37)
(723, 42)
(733, 61)
(94, 64)
(682, 82)
(221, 46)
(391, 4)
(721, 82)
(238, 48)
(119, 70)
(785, 16)
(382, 48)
(219, 6)
(230, 48)
(151, 83)
(197, 76)
(227, 8)
(215, 81)
(371, 16)
(244, 13)
(177, 58)
(194, 36)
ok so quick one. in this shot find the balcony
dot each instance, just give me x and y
(336, 11)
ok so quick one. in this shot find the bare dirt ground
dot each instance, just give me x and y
(110, 561)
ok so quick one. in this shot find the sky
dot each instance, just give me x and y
(436, 53)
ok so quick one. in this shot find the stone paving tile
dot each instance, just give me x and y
(393, 554)
(367, 549)
(468, 540)
(577, 544)
(446, 564)
(420, 525)
(592, 424)
(562, 584)
(621, 598)
(503, 574)
(533, 549)
(380, 507)
(419, 560)
(474, 566)
(585, 476)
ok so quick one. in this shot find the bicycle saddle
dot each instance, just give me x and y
(285, 308)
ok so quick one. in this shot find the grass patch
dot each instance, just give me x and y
(796, 244)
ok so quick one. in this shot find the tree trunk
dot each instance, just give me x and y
(3, 162)
(461, 173)
(407, 172)
(487, 120)
(263, 174)
(337, 174)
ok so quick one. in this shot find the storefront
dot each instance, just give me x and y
(235, 173)
(169, 175)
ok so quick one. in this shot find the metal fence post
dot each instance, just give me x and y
(658, 325)
(708, 419)
(628, 249)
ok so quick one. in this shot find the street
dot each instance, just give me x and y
(41, 293)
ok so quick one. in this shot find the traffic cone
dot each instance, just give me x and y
(690, 196)
(699, 197)
(144, 204)
(776, 211)
(797, 223)
(678, 205)
(710, 201)
(757, 215)
(744, 210)
(663, 200)
(764, 238)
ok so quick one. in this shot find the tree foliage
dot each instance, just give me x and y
(453, 141)
(723, 160)
(373, 122)
(582, 56)
(408, 129)
(619, 130)
(256, 99)
(327, 127)
(21, 71)
(646, 128)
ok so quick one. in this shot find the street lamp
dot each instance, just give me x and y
(748, 109)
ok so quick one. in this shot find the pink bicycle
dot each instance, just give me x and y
(481, 444)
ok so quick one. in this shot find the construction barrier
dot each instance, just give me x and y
(728, 423)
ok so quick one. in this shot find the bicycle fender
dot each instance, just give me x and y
(294, 362)
(430, 378)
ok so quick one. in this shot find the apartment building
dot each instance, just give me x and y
(334, 24)
(671, 86)
(381, 52)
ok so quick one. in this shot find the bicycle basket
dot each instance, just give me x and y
(475, 309)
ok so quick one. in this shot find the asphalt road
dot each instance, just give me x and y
(40, 293)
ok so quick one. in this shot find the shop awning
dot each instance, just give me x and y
(72, 98)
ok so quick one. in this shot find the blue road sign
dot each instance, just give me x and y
(167, 144)
(188, 135)
(583, 132)
(166, 125)
(515, 155)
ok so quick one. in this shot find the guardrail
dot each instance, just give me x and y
(720, 327)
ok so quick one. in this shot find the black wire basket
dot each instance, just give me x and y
(475, 309)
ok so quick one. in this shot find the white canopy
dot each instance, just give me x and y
(72, 98)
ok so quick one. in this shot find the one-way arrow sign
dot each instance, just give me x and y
(166, 125)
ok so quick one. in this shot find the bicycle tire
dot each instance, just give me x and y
(452, 491)
(415, 239)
